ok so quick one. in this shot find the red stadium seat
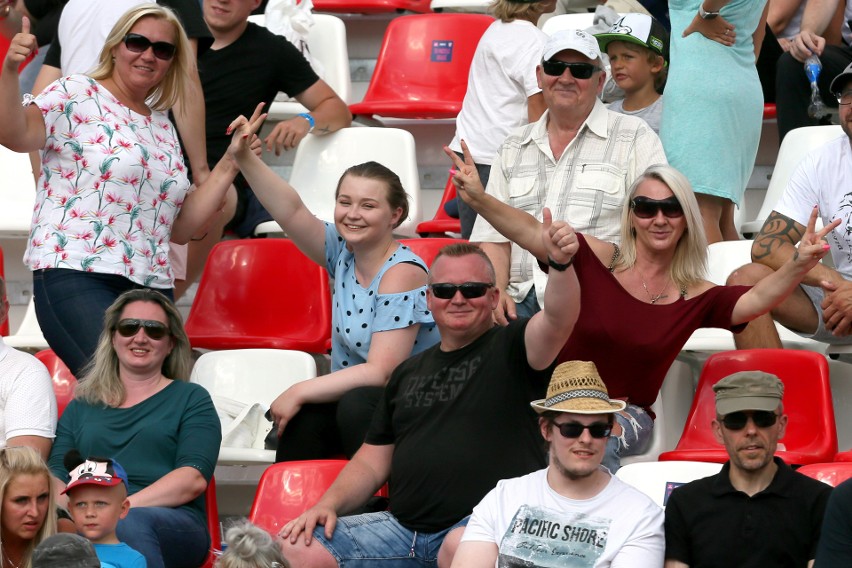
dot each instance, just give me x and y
(4, 327)
(441, 223)
(831, 473)
(262, 294)
(64, 382)
(371, 6)
(769, 111)
(212, 523)
(288, 489)
(811, 435)
(423, 65)
(427, 249)
(843, 456)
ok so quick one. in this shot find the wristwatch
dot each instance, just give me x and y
(704, 14)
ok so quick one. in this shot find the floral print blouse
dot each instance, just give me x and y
(111, 184)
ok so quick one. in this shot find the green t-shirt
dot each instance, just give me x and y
(176, 427)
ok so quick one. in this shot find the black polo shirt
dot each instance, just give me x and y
(709, 524)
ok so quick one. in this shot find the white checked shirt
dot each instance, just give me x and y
(585, 187)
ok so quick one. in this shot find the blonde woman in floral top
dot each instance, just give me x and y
(112, 190)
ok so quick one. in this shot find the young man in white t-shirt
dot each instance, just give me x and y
(820, 308)
(575, 512)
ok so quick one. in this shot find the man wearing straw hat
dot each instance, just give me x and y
(757, 511)
(575, 512)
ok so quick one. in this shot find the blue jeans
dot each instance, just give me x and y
(70, 306)
(634, 439)
(166, 537)
(27, 78)
(362, 541)
(529, 306)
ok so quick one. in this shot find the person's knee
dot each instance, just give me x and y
(300, 555)
(449, 547)
(748, 275)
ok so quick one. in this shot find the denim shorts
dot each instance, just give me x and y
(361, 541)
(635, 436)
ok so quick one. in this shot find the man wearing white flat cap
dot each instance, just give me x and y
(575, 512)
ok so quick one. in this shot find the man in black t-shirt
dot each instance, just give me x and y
(452, 421)
(247, 65)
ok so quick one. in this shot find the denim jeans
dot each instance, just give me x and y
(635, 436)
(166, 537)
(70, 306)
(377, 539)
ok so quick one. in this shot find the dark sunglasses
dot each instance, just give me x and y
(153, 329)
(646, 208)
(738, 420)
(139, 44)
(556, 68)
(469, 290)
(575, 429)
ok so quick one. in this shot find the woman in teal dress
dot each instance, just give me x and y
(713, 108)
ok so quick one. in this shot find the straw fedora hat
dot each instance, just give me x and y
(576, 386)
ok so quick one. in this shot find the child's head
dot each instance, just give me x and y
(250, 546)
(97, 496)
(640, 41)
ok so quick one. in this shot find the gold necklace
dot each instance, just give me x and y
(654, 298)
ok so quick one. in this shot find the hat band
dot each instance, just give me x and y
(579, 393)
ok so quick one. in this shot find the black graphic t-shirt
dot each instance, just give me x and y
(460, 422)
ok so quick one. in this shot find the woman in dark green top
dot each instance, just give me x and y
(134, 406)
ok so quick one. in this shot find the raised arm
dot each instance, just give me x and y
(21, 129)
(387, 350)
(328, 110)
(516, 225)
(548, 330)
(365, 473)
(773, 289)
(276, 195)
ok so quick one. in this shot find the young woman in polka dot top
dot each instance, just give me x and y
(379, 305)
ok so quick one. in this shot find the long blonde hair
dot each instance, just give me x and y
(175, 85)
(249, 546)
(689, 264)
(23, 460)
(101, 382)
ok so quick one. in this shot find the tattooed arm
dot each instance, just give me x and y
(776, 244)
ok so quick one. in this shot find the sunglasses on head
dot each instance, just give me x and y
(153, 328)
(738, 420)
(469, 290)
(556, 68)
(575, 429)
(646, 208)
(139, 44)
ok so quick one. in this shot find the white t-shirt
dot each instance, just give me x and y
(501, 79)
(824, 178)
(27, 401)
(536, 527)
(83, 28)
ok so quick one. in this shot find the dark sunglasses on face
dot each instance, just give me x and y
(575, 429)
(469, 290)
(556, 68)
(139, 44)
(153, 328)
(646, 208)
(738, 420)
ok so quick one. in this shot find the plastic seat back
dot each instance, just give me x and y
(559, 22)
(811, 436)
(658, 479)
(4, 326)
(17, 194)
(213, 526)
(441, 223)
(28, 335)
(833, 473)
(473, 6)
(64, 383)
(371, 6)
(261, 293)
(327, 44)
(428, 248)
(795, 146)
(423, 66)
(321, 160)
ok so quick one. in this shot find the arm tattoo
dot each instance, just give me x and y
(777, 230)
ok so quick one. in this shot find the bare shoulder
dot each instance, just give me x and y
(402, 277)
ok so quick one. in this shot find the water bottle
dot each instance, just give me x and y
(813, 67)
